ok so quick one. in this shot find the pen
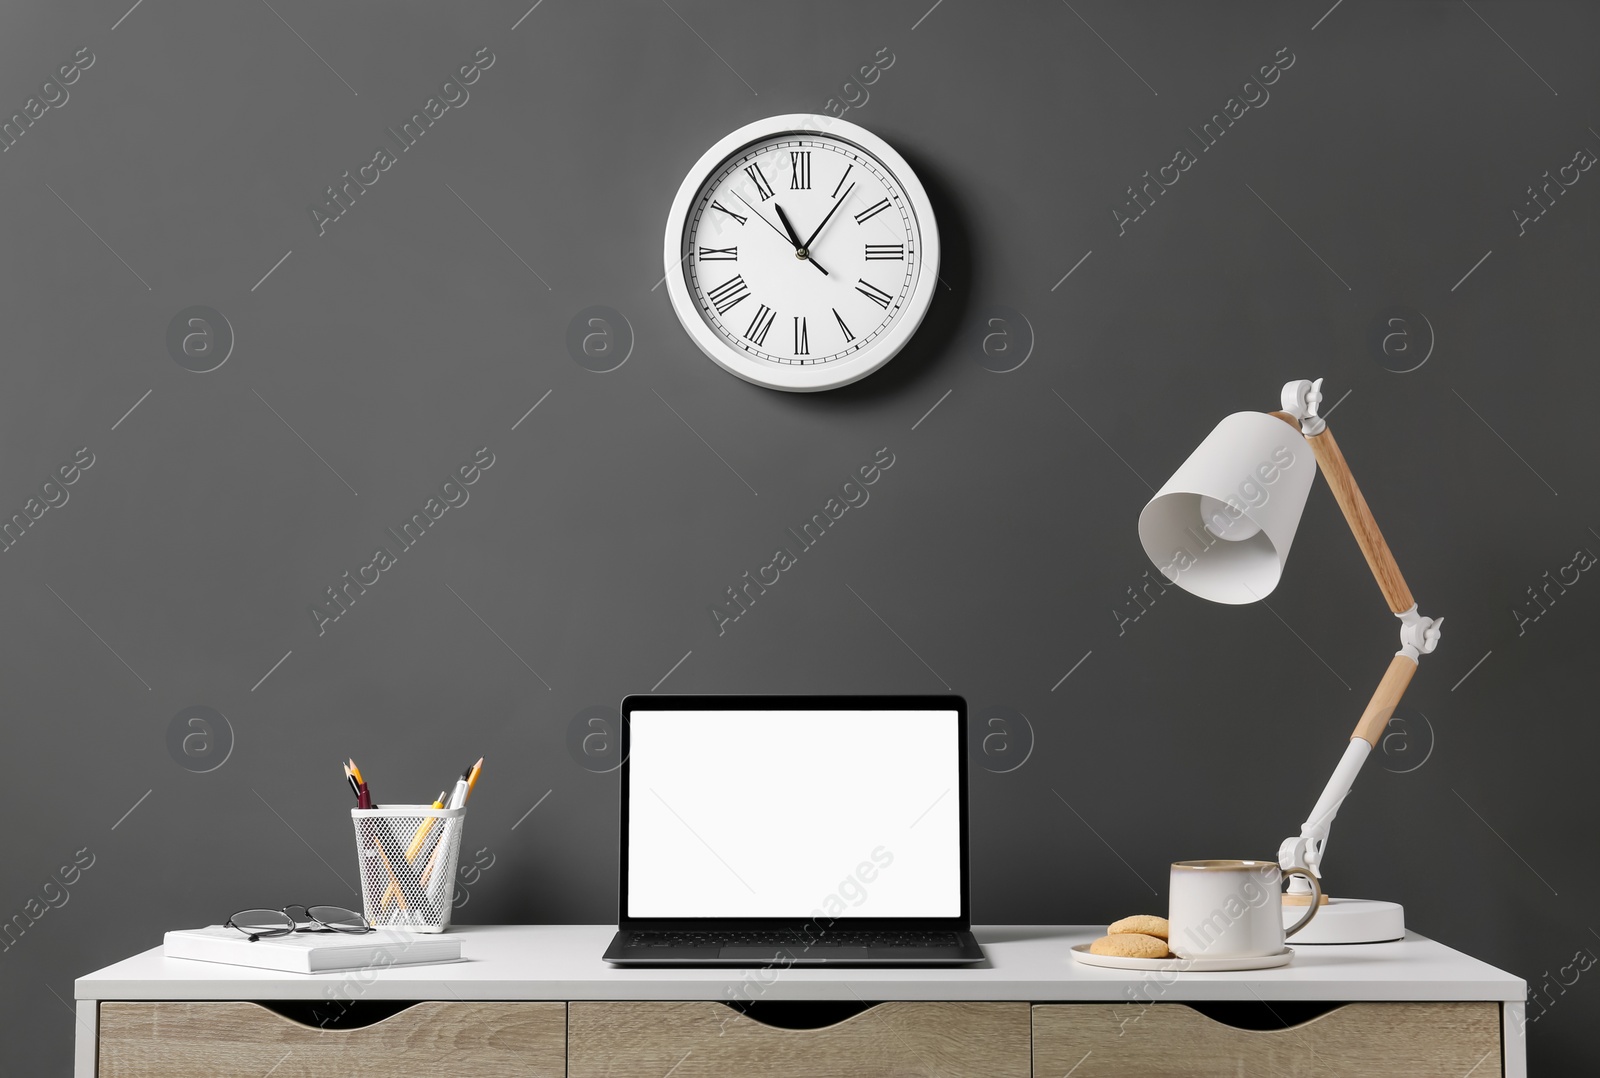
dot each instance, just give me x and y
(369, 848)
(363, 796)
(458, 796)
(364, 801)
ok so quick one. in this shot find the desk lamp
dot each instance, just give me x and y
(1221, 528)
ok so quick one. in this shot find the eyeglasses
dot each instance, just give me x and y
(264, 924)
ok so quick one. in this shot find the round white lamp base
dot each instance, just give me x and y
(1349, 920)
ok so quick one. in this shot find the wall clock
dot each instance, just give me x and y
(801, 253)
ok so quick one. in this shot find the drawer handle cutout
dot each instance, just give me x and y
(335, 1013)
(798, 1013)
(1257, 1016)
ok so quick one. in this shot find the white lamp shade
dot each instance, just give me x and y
(1221, 527)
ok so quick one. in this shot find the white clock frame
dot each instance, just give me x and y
(808, 378)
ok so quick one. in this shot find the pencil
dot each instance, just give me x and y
(422, 832)
(394, 884)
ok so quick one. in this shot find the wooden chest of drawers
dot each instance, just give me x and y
(704, 1039)
(537, 1002)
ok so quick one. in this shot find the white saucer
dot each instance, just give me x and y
(1183, 965)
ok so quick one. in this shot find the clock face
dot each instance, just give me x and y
(802, 260)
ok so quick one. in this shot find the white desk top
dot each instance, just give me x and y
(562, 962)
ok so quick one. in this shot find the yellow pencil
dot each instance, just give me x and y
(422, 831)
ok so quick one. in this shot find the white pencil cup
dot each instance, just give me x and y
(407, 855)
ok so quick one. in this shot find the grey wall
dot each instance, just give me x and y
(994, 557)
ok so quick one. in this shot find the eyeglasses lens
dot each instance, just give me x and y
(262, 922)
(339, 918)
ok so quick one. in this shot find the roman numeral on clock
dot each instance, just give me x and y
(757, 177)
(799, 170)
(875, 294)
(757, 333)
(726, 296)
(722, 254)
(872, 211)
(802, 346)
(730, 213)
(876, 252)
(848, 336)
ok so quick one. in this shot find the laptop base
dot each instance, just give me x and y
(645, 948)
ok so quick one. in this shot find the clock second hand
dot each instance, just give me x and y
(768, 223)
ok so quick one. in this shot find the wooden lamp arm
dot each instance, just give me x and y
(1380, 709)
(1369, 537)
(1345, 491)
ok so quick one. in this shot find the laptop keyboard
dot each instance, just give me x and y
(775, 938)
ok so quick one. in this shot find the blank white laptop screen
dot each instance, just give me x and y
(794, 814)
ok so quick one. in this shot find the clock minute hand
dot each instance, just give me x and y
(825, 220)
(800, 250)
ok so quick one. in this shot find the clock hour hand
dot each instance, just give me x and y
(787, 227)
(800, 249)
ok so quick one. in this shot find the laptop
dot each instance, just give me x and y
(794, 831)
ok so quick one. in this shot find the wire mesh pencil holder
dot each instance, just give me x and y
(407, 855)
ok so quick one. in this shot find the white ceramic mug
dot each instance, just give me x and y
(1231, 909)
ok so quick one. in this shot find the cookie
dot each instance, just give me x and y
(1143, 923)
(1129, 945)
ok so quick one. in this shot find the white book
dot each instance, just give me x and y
(313, 952)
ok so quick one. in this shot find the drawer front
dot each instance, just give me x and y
(1168, 1040)
(709, 1040)
(244, 1040)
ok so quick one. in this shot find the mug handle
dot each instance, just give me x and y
(1316, 899)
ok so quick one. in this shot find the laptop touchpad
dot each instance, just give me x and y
(782, 954)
